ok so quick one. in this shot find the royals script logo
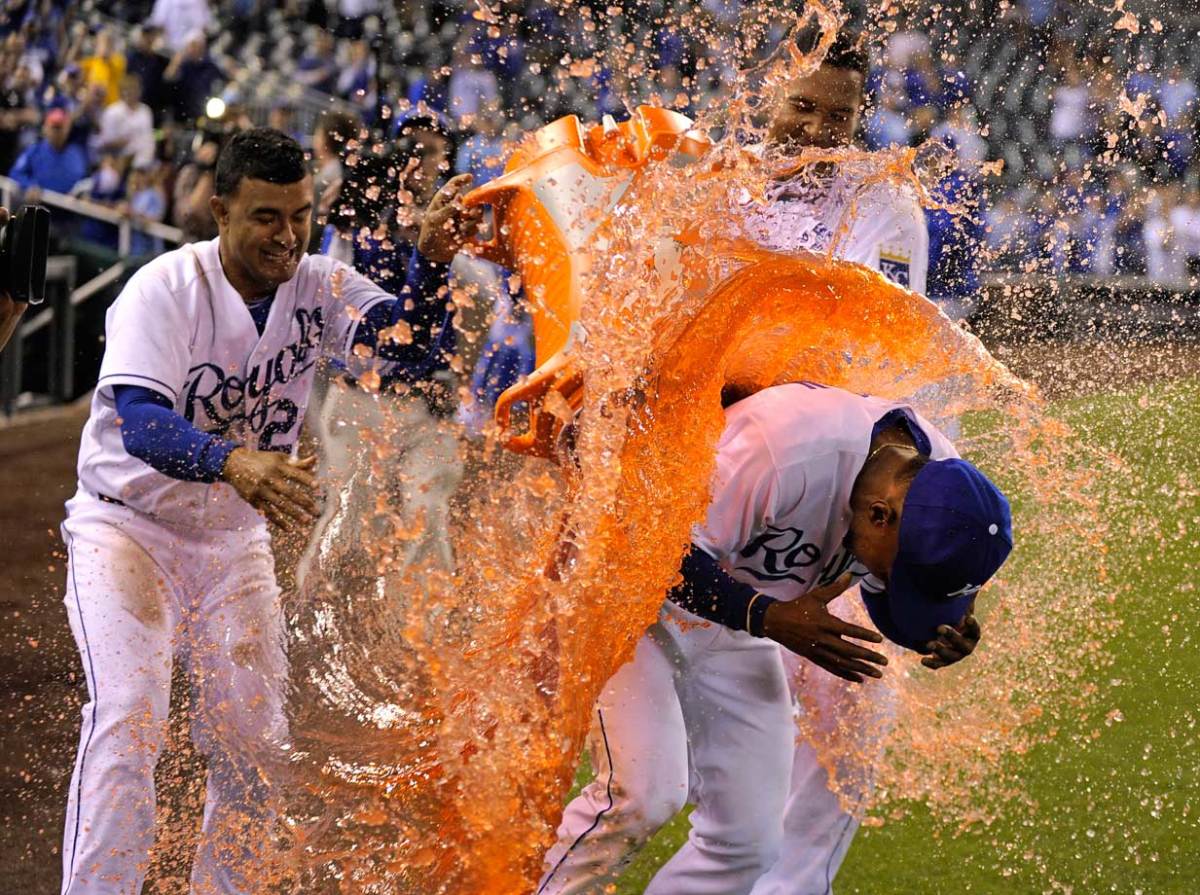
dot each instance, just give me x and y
(251, 405)
(784, 554)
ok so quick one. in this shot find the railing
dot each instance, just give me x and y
(1022, 307)
(64, 295)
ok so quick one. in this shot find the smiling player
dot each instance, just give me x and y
(209, 359)
(811, 487)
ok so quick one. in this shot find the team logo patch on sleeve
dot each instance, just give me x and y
(895, 269)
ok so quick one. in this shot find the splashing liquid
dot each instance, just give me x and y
(438, 715)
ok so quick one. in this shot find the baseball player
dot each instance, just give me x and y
(674, 697)
(209, 357)
(815, 487)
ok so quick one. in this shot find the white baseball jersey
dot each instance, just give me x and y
(180, 328)
(786, 463)
(881, 226)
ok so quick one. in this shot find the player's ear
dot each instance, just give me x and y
(220, 211)
(880, 513)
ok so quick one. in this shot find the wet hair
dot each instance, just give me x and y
(909, 470)
(339, 128)
(849, 52)
(261, 153)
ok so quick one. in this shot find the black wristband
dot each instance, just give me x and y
(756, 614)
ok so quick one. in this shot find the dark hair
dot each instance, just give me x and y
(261, 153)
(339, 128)
(849, 49)
(849, 52)
(909, 470)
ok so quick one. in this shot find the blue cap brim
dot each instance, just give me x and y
(917, 613)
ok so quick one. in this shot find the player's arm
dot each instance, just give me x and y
(804, 625)
(410, 330)
(151, 430)
(750, 490)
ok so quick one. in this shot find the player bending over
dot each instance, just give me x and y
(880, 226)
(814, 487)
(209, 358)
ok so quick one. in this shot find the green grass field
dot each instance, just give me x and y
(1120, 814)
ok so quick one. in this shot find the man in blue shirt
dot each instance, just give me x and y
(52, 163)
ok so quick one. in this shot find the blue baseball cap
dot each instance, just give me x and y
(955, 532)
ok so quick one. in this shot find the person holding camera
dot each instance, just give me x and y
(10, 309)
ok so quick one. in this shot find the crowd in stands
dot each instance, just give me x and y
(1101, 169)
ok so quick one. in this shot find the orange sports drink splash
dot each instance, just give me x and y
(550, 210)
(650, 312)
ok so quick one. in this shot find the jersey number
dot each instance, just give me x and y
(277, 426)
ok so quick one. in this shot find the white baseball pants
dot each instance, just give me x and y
(140, 592)
(421, 475)
(852, 720)
(686, 689)
(700, 710)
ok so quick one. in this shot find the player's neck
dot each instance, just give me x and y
(250, 289)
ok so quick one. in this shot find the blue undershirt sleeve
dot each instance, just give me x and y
(418, 305)
(154, 433)
(709, 592)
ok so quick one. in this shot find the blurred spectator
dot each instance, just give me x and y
(107, 188)
(1164, 259)
(191, 78)
(18, 113)
(960, 131)
(317, 67)
(147, 202)
(193, 189)
(127, 126)
(1071, 118)
(334, 135)
(472, 87)
(482, 154)
(85, 115)
(1185, 222)
(282, 117)
(105, 66)
(1178, 95)
(956, 236)
(17, 54)
(888, 125)
(180, 20)
(923, 83)
(356, 80)
(52, 163)
(143, 60)
(352, 17)
(1009, 232)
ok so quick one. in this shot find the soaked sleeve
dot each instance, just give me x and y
(888, 232)
(747, 492)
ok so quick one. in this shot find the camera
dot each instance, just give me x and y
(24, 245)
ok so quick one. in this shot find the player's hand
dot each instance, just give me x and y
(806, 627)
(447, 224)
(953, 644)
(282, 489)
